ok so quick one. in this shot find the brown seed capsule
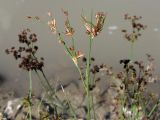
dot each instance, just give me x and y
(7, 51)
(36, 48)
(98, 79)
(124, 30)
(84, 59)
(93, 59)
(96, 68)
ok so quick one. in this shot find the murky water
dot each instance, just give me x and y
(109, 46)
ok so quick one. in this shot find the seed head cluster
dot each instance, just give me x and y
(26, 53)
(137, 28)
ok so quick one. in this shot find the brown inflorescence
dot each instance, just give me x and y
(137, 27)
(69, 31)
(94, 29)
(26, 52)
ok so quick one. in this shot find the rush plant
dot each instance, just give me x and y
(130, 100)
(92, 30)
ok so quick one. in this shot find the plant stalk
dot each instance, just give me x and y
(88, 80)
(30, 94)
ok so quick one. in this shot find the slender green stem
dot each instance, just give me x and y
(65, 46)
(48, 84)
(73, 44)
(154, 108)
(58, 103)
(39, 105)
(30, 94)
(77, 66)
(80, 72)
(71, 55)
(70, 105)
(88, 106)
(88, 79)
(41, 81)
(94, 113)
(52, 90)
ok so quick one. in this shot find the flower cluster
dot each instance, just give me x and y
(76, 56)
(26, 53)
(69, 31)
(94, 29)
(137, 27)
(52, 23)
